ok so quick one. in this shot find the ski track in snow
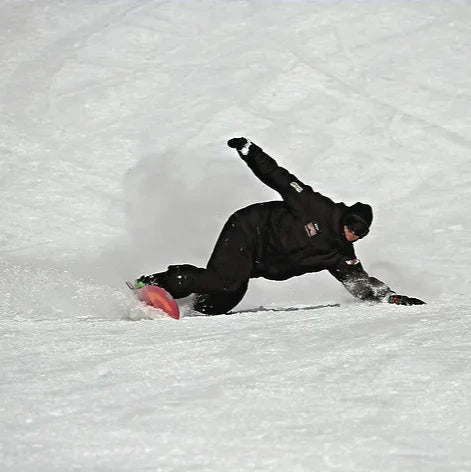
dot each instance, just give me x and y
(113, 164)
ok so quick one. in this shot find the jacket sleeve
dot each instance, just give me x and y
(295, 193)
(357, 281)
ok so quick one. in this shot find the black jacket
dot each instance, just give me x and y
(303, 233)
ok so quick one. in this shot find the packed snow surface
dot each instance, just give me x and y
(114, 117)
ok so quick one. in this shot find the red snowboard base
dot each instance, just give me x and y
(158, 298)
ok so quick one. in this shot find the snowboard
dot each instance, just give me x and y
(157, 297)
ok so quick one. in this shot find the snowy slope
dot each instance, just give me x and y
(114, 117)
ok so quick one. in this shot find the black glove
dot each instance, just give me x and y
(237, 143)
(404, 300)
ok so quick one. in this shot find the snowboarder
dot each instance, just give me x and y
(305, 232)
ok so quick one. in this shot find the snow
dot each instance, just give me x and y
(114, 117)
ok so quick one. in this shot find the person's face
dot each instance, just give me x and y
(350, 235)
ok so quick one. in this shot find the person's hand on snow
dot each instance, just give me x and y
(404, 300)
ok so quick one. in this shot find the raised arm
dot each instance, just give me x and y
(294, 192)
(357, 281)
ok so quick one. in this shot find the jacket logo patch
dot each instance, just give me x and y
(352, 262)
(311, 229)
(296, 187)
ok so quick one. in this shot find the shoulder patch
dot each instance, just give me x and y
(296, 187)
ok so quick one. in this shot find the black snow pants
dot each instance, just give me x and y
(224, 282)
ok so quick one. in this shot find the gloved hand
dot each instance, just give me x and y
(404, 300)
(237, 143)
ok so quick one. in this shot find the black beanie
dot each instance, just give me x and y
(364, 211)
